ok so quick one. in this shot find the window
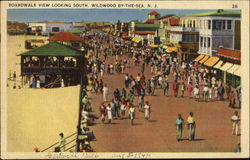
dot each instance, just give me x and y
(194, 23)
(224, 25)
(205, 45)
(229, 24)
(201, 43)
(214, 24)
(219, 25)
(55, 29)
(209, 24)
(208, 42)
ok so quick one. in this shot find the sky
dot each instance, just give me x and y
(89, 15)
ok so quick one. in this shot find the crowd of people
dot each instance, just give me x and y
(189, 80)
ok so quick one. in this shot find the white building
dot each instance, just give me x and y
(216, 29)
(45, 28)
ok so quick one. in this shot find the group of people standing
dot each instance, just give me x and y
(189, 80)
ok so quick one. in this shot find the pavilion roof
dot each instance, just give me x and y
(53, 49)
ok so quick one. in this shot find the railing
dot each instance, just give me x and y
(51, 70)
(67, 139)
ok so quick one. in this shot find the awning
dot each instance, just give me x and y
(136, 39)
(165, 47)
(171, 49)
(203, 59)
(238, 72)
(233, 69)
(153, 45)
(199, 58)
(218, 65)
(226, 66)
(211, 61)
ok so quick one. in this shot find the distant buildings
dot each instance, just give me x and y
(16, 27)
(48, 27)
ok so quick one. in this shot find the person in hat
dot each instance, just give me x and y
(62, 142)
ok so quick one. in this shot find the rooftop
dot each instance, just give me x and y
(229, 53)
(53, 49)
(66, 37)
(166, 16)
(219, 12)
(145, 25)
(153, 13)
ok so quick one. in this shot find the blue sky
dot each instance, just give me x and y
(89, 15)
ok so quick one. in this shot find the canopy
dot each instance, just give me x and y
(203, 59)
(136, 39)
(153, 45)
(226, 66)
(165, 47)
(233, 69)
(199, 58)
(238, 72)
(171, 49)
(53, 49)
(218, 65)
(211, 61)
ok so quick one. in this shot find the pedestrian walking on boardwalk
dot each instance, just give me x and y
(238, 91)
(147, 109)
(109, 113)
(189, 89)
(132, 114)
(232, 100)
(166, 87)
(105, 93)
(131, 97)
(235, 119)
(179, 127)
(191, 126)
(183, 88)
(175, 88)
(102, 110)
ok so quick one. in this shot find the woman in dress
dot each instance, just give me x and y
(109, 113)
(132, 114)
(147, 109)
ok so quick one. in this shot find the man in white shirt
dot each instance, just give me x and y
(105, 93)
(235, 119)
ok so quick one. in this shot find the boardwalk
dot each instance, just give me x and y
(213, 132)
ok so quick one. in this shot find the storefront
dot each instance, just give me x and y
(232, 79)
(217, 68)
(224, 70)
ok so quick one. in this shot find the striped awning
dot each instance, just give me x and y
(218, 65)
(204, 59)
(199, 58)
(233, 69)
(211, 61)
(165, 47)
(238, 72)
(153, 45)
(226, 66)
(136, 39)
